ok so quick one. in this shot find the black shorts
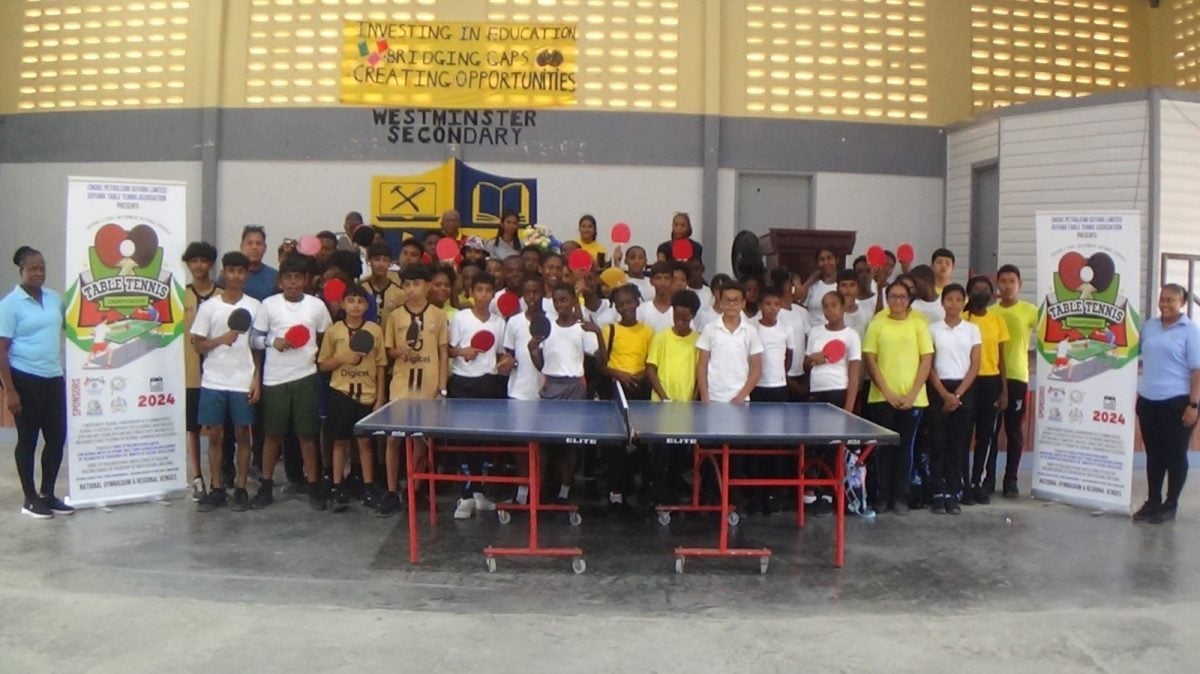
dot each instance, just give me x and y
(769, 394)
(192, 410)
(835, 397)
(343, 412)
(487, 386)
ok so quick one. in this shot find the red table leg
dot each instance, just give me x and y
(414, 544)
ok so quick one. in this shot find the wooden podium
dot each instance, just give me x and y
(797, 249)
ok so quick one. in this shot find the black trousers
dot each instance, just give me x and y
(892, 464)
(1166, 440)
(983, 423)
(949, 438)
(1012, 424)
(43, 411)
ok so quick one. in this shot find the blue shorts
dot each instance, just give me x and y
(216, 406)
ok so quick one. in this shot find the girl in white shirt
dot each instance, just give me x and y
(834, 380)
(957, 344)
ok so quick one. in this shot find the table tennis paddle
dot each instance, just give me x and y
(508, 304)
(483, 340)
(876, 257)
(308, 245)
(447, 249)
(834, 350)
(297, 336)
(682, 250)
(362, 342)
(621, 233)
(579, 260)
(539, 327)
(334, 290)
(905, 253)
(414, 333)
(240, 320)
(363, 235)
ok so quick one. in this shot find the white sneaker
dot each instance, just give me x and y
(465, 508)
(483, 502)
(197, 489)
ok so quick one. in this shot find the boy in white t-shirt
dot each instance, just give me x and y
(857, 315)
(730, 362)
(957, 348)
(657, 312)
(290, 383)
(779, 348)
(229, 380)
(559, 357)
(925, 295)
(474, 374)
(524, 380)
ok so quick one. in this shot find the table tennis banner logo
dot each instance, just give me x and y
(1087, 346)
(456, 65)
(418, 201)
(125, 328)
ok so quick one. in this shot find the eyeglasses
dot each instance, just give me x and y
(897, 297)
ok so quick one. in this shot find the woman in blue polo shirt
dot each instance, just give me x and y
(1168, 398)
(31, 370)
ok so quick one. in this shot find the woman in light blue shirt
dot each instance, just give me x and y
(31, 371)
(1168, 398)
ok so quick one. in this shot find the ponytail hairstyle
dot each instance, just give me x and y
(22, 253)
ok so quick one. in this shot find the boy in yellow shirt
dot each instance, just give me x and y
(1020, 317)
(991, 392)
(627, 343)
(356, 388)
(671, 373)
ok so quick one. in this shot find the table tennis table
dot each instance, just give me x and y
(722, 431)
(130, 329)
(483, 423)
(717, 431)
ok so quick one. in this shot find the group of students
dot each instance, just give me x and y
(907, 344)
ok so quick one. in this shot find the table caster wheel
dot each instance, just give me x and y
(578, 565)
(491, 564)
(734, 518)
(763, 563)
(679, 565)
(503, 516)
(575, 519)
(664, 518)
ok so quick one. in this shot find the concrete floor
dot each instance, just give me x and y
(1015, 586)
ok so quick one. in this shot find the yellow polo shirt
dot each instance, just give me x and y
(898, 345)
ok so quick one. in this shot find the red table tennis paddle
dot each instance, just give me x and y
(308, 245)
(483, 340)
(447, 249)
(905, 253)
(334, 290)
(240, 320)
(834, 350)
(508, 304)
(876, 257)
(621, 233)
(297, 336)
(362, 342)
(539, 326)
(579, 260)
(682, 250)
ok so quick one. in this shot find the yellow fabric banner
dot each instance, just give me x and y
(459, 65)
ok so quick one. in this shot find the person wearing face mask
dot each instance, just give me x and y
(990, 389)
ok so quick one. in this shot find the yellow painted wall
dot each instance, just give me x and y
(929, 62)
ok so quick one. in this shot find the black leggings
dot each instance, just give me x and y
(43, 410)
(1166, 440)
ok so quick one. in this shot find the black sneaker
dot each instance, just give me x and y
(263, 498)
(1010, 489)
(316, 498)
(968, 496)
(822, 507)
(216, 498)
(339, 499)
(952, 506)
(370, 497)
(938, 505)
(388, 505)
(56, 505)
(901, 508)
(982, 497)
(37, 510)
(1166, 513)
(241, 501)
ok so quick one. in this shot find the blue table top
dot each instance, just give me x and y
(810, 423)
(500, 420)
(673, 422)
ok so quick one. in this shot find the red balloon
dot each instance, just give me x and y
(108, 244)
(876, 257)
(621, 233)
(1069, 266)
